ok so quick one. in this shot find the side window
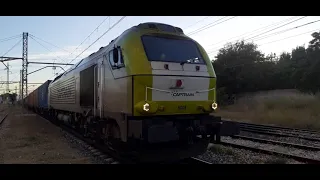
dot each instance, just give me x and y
(120, 60)
(111, 59)
(120, 57)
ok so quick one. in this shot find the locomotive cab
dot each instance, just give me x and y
(173, 88)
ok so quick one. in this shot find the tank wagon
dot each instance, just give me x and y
(152, 86)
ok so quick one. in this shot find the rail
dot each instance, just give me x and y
(268, 141)
(272, 152)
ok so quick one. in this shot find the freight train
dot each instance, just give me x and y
(150, 88)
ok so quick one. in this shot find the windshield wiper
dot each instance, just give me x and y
(192, 60)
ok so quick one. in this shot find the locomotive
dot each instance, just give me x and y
(150, 88)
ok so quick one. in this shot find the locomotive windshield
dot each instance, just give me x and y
(171, 50)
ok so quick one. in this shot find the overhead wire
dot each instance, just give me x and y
(206, 25)
(10, 50)
(217, 49)
(115, 24)
(197, 22)
(70, 53)
(278, 27)
(289, 29)
(45, 47)
(12, 47)
(256, 30)
(88, 36)
(31, 35)
(289, 37)
(99, 38)
(210, 25)
(10, 38)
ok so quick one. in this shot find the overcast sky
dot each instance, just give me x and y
(54, 38)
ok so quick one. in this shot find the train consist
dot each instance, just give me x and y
(152, 86)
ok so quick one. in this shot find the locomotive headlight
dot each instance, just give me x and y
(214, 106)
(146, 107)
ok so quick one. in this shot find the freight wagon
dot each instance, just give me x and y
(37, 100)
(43, 96)
(30, 100)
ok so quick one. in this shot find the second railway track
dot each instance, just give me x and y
(279, 134)
(276, 131)
(268, 141)
(272, 152)
(280, 128)
(4, 117)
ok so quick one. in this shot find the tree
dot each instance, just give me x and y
(236, 67)
(310, 79)
(12, 97)
(241, 67)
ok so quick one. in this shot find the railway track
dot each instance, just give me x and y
(272, 152)
(280, 128)
(108, 156)
(4, 118)
(294, 132)
(279, 134)
(277, 131)
(268, 141)
(193, 161)
(285, 131)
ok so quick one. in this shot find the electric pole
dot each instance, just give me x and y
(20, 92)
(7, 77)
(24, 79)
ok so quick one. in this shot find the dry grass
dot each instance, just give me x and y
(280, 107)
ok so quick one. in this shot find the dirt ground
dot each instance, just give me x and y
(26, 138)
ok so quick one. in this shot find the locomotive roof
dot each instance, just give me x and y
(141, 25)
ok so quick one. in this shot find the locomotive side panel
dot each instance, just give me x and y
(116, 93)
(63, 94)
(87, 87)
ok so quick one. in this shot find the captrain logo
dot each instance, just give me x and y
(177, 94)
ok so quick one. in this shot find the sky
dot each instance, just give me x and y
(66, 39)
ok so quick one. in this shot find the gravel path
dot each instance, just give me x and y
(218, 154)
(26, 138)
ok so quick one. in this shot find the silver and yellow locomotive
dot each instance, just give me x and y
(152, 85)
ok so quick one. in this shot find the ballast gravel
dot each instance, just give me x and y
(218, 154)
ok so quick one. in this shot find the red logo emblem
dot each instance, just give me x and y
(178, 83)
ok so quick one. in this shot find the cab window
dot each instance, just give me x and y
(120, 62)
